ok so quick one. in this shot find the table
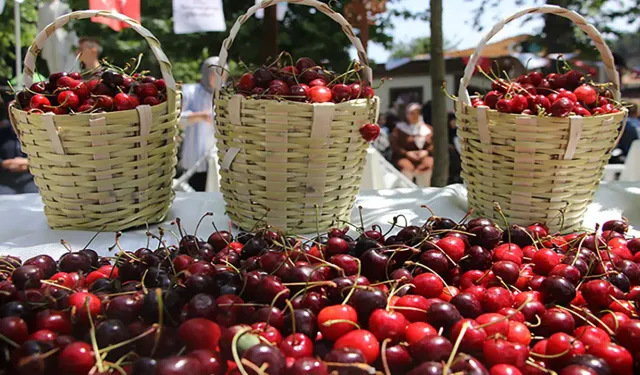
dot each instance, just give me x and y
(25, 232)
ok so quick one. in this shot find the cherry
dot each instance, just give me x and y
(496, 298)
(56, 321)
(124, 102)
(435, 260)
(467, 304)
(39, 102)
(319, 94)
(597, 293)
(443, 315)
(178, 366)
(28, 276)
(74, 262)
(494, 324)
(561, 107)
(362, 340)
(341, 93)
(297, 346)
(506, 270)
(386, 324)
(432, 348)
(499, 351)
(618, 358)
(427, 368)
(246, 82)
(308, 366)
(261, 355)
(366, 301)
(202, 306)
(474, 337)
(505, 105)
(476, 258)
(628, 335)
(544, 260)
(519, 103)
(491, 98)
(299, 92)
(345, 356)
(454, 247)
(557, 320)
(562, 93)
(334, 321)
(370, 132)
(503, 369)
(210, 362)
(305, 323)
(46, 264)
(76, 358)
(558, 289)
(587, 360)
(486, 236)
(15, 329)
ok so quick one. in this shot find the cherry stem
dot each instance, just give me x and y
(418, 264)
(355, 283)
(551, 356)
(456, 346)
(132, 340)
(361, 218)
(361, 366)
(496, 206)
(158, 292)
(293, 317)
(234, 349)
(507, 317)
(195, 234)
(537, 324)
(329, 323)
(8, 341)
(317, 210)
(383, 355)
(428, 208)
(92, 334)
(537, 366)
(217, 231)
(66, 245)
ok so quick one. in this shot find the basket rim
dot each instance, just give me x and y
(13, 107)
(623, 110)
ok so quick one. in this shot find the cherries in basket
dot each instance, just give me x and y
(556, 94)
(106, 89)
(304, 81)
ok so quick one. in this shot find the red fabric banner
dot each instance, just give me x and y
(130, 8)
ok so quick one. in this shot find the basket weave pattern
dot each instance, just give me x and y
(108, 171)
(281, 160)
(536, 168)
(525, 167)
(285, 168)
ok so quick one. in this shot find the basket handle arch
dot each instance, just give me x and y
(578, 20)
(322, 7)
(154, 44)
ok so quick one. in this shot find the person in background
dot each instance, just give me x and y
(14, 166)
(411, 145)
(455, 165)
(391, 118)
(197, 119)
(89, 50)
(630, 133)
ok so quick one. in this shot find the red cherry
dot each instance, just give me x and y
(199, 333)
(597, 293)
(82, 300)
(535, 78)
(494, 324)
(508, 252)
(368, 92)
(386, 324)
(417, 307)
(290, 69)
(560, 343)
(105, 102)
(39, 102)
(586, 94)
(15, 329)
(299, 92)
(356, 91)
(317, 82)
(561, 107)
(305, 63)
(496, 298)
(474, 336)
(499, 351)
(591, 335)
(369, 132)
(124, 102)
(503, 369)
(567, 94)
(332, 321)
(519, 103)
(269, 332)
(82, 90)
(146, 89)
(491, 98)
(341, 93)
(296, 346)
(581, 111)
(519, 333)
(67, 82)
(151, 100)
(76, 358)
(618, 358)
(362, 340)
(539, 103)
(504, 105)
(544, 260)
(557, 81)
(454, 247)
(319, 94)
(417, 330)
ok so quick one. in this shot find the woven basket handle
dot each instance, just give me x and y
(578, 20)
(41, 38)
(322, 7)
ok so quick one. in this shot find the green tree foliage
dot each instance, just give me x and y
(411, 48)
(554, 36)
(303, 32)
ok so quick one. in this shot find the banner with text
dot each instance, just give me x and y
(195, 16)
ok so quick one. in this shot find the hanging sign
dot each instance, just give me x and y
(281, 10)
(195, 16)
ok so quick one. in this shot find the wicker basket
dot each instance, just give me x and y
(535, 167)
(279, 159)
(105, 170)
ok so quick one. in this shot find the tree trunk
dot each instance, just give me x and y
(270, 33)
(438, 102)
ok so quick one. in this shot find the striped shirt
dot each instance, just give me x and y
(199, 137)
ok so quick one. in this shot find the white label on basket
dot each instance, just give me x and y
(574, 136)
(234, 110)
(228, 157)
(52, 132)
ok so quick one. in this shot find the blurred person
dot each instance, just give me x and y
(197, 119)
(455, 165)
(89, 50)
(391, 118)
(14, 166)
(630, 133)
(412, 145)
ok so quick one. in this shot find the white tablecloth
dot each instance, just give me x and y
(24, 231)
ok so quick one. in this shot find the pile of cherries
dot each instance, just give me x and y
(109, 91)
(556, 94)
(303, 82)
(447, 298)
